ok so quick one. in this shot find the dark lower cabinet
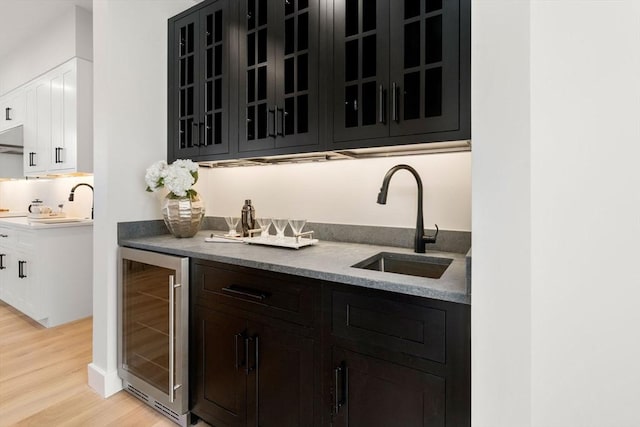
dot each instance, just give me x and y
(275, 350)
(250, 373)
(372, 392)
(219, 383)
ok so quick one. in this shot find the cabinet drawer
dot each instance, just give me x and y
(272, 294)
(393, 325)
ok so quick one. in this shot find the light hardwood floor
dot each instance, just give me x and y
(43, 379)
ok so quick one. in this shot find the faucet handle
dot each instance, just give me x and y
(432, 239)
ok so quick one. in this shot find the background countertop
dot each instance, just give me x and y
(24, 223)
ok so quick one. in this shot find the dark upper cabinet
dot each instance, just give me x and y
(278, 68)
(200, 81)
(400, 73)
(251, 78)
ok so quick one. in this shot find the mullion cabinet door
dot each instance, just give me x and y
(183, 129)
(214, 99)
(361, 70)
(199, 80)
(297, 72)
(424, 66)
(257, 102)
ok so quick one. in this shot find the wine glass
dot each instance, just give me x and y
(297, 225)
(264, 224)
(232, 223)
(280, 224)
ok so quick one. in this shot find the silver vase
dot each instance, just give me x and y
(183, 216)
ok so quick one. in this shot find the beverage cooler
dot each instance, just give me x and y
(153, 318)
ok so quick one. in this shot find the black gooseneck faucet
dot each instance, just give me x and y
(72, 194)
(420, 239)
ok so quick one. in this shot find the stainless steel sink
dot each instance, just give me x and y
(412, 265)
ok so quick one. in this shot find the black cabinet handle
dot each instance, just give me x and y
(202, 135)
(246, 292)
(197, 130)
(32, 159)
(394, 102)
(272, 111)
(21, 274)
(238, 363)
(2, 267)
(283, 114)
(248, 367)
(7, 113)
(341, 387)
(58, 154)
(381, 111)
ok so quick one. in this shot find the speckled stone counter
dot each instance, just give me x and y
(327, 260)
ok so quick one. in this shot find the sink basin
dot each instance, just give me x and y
(412, 265)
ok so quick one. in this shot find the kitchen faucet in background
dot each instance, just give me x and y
(71, 195)
(420, 239)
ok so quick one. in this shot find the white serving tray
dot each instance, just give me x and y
(286, 242)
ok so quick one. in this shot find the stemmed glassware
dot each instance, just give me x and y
(264, 224)
(232, 223)
(280, 224)
(297, 225)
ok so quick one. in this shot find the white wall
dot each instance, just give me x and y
(501, 313)
(345, 191)
(585, 217)
(16, 195)
(130, 63)
(556, 108)
(63, 38)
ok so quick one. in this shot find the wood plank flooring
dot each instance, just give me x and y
(43, 379)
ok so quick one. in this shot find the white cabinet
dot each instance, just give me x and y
(58, 125)
(12, 109)
(46, 272)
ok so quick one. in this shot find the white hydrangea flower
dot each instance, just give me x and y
(188, 164)
(178, 180)
(178, 177)
(155, 175)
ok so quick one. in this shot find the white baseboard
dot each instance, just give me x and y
(104, 383)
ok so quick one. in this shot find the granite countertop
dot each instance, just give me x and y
(24, 223)
(326, 260)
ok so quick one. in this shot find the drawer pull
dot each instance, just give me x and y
(341, 384)
(246, 292)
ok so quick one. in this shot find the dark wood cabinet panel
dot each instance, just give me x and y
(255, 78)
(219, 368)
(401, 327)
(200, 80)
(255, 363)
(373, 392)
(401, 72)
(322, 353)
(283, 388)
(278, 57)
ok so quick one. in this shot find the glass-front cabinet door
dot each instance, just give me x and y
(278, 54)
(396, 69)
(199, 83)
(361, 71)
(424, 63)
